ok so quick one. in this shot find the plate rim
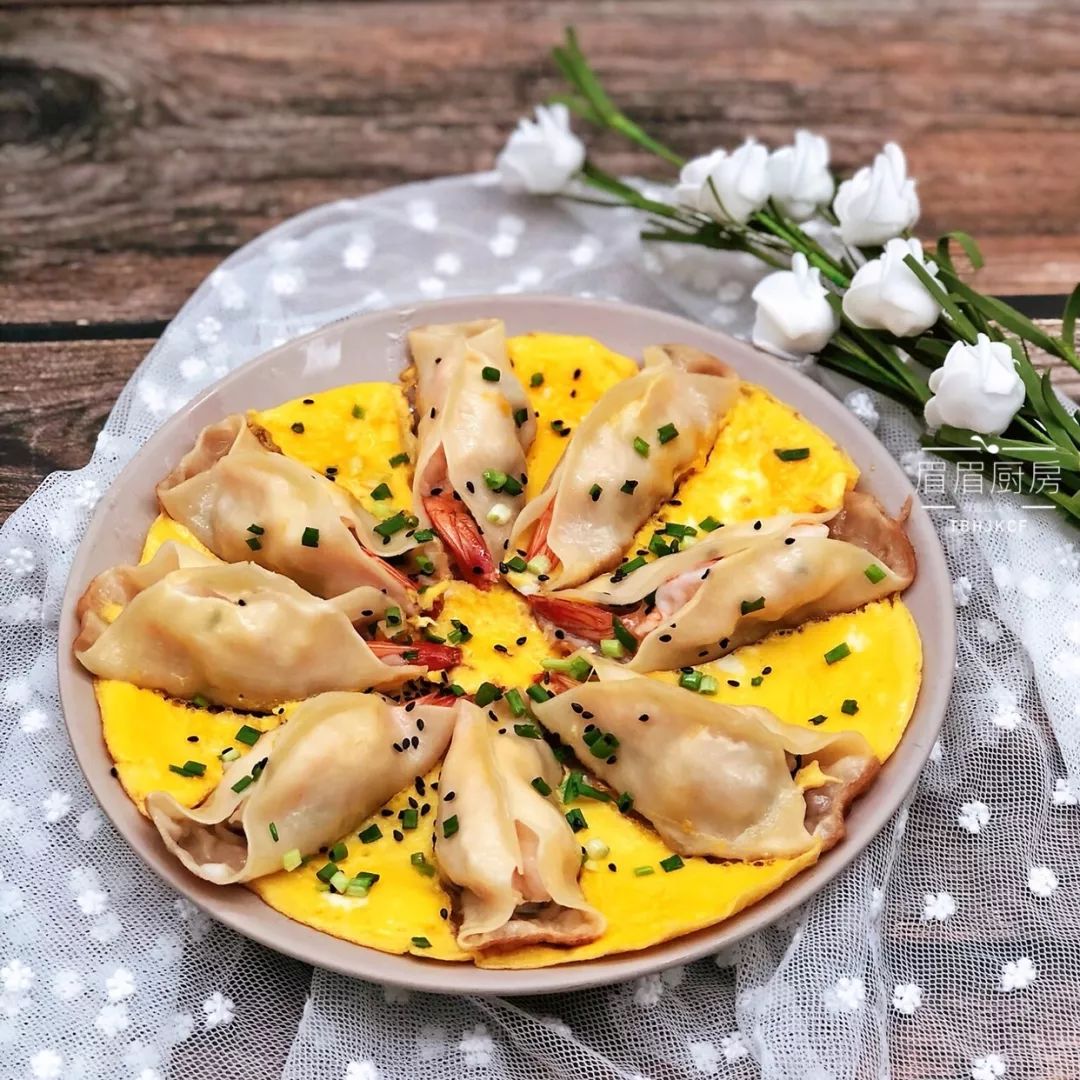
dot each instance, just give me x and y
(245, 912)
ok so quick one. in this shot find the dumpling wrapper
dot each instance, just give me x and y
(801, 569)
(330, 766)
(465, 423)
(587, 535)
(231, 479)
(712, 779)
(514, 858)
(233, 633)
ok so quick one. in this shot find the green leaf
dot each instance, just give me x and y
(960, 321)
(1066, 421)
(967, 242)
(1068, 323)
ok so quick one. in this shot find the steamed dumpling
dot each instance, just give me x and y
(474, 426)
(712, 779)
(505, 846)
(247, 502)
(332, 764)
(233, 633)
(624, 460)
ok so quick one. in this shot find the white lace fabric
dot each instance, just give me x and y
(948, 949)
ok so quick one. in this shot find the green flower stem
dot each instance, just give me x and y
(799, 241)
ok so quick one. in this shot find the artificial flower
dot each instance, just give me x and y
(541, 155)
(794, 316)
(727, 187)
(885, 294)
(978, 387)
(878, 202)
(799, 176)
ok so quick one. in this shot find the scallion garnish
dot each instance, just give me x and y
(595, 492)
(520, 416)
(671, 863)
(423, 536)
(230, 753)
(425, 565)
(537, 379)
(422, 942)
(291, 859)
(258, 530)
(248, 735)
(460, 634)
(516, 703)
(541, 785)
(242, 784)
(538, 693)
(392, 525)
(576, 820)
(419, 861)
(690, 680)
(708, 685)
(850, 707)
(494, 479)
(399, 459)
(643, 871)
(512, 486)
(339, 882)
(327, 871)
(527, 731)
(708, 524)
(486, 693)
(628, 568)
(450, 826)
(381, 492)
(273, 832)
(409, 817)
(837, 652)
(491, 374)
(310, 537)
(456, 689)
(612, 648)
(874, 573)
(629, 487)
(339, 852)
(357, 412)
(517, 564)
(253, 542)
(370, 834)
(752, 605)
(798, 453)
(625, 802)
(674, 528)
(666, 433)
(200, 702)
(641, 446)
(757, 680)
(604, 746)
(623, 636)
(819, 719)
(189, 768)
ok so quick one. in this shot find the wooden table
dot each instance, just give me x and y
(141, 143)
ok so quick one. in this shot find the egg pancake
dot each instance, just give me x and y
(353, 432)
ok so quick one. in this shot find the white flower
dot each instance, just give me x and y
(705, 1056)
(46, 1065)
(794, 318)
(477, 1046)
(977, 387)
(847, 994)
(56, 806)
(799, 176)
(1042, 881)
(361, 1070)
(1065, 793)
(218, 1010)
(827, 237)
(67, 984)
(19, 562)
(502, 245)
(727, 187)
(885, 294)
(734, 1047)
(16, 976)
(906, 998)
(878, 202)
(541, 155)
(120, 984)
(863, 405)
(938, 907)
(1018, 974)
(560, 1027)
(973, 816)
(586, 251)
(990, 1067)
(112, 1019)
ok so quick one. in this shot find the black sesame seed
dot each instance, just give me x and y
(367, 613)
(112, 772)
(470, 487)
(560, 634)
(521, 640)
(766, 670)
(309, 401)
(644, 718)
(432, 413)
(790, 540)
(723, 643)
(436, 491)
(757, 524)
(500, 648)
(386, 812)
(502, 731)
(298, 428)
(449, 796)
(586, 715)
(477, 570)
(493, 716)
(413, 803)
(665, 638)
(733, 682)
(425, 809)
(611, 760)
(443, 913)
(612, 867)
(398, 835)
(193, 738)
(241, 602)
(418, 783)
(577, 707)
(410, 706)
(577, 374)
(420, 727)
(415, 742)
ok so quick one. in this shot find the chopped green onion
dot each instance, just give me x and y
(538, 693)
(409, 817)
(456, 689)
(643, 871)
(499, 514)
(798, 453)
(520, 416)
(837, 652)
(666, 433)
(596, 848)
(491, 374)
(526, 731)
(612, 648)
(393, 616)
(752, 605)
(629, 487)
(625, 802)
(423, 536)
(850, 707)
(708, 685)
(189, 768)
(537, 379)
(243, 784)
(516, 703)
(339, 852)
(399, 459)
(258, 530)
(381, 492)
(365, 878)
(604, 746)
(409, 655)
(629, 567)
(757, 680)
(819, 719)
(580, 669)
(540, 565)
(486, 693)
(357, 412)
(517, 564)
(273, 832)
(690, 680)
(874, 573)
(291, 859)
(641, 446)
(310, 537)
(339, 882)
(659, 546)
(392, 525)
(450, 826)
(430, 635)
(671, 863)
(229, 754)
(541, 785)
(200, 702)
(327, 871)
(595, 492)
(419, 860)
(253, 542)
(673, 528)
(576, 820)
(422, 942)
(708, 524)
(623, 636)
(494, 479)
(571, 786)
(370, 834)
(512, 486)
(248, 735)
(425, 565)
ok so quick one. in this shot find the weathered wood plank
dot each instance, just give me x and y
(138, 145)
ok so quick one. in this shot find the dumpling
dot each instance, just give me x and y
(712, 779)
(625, 458)
(474, 426)
(247, 502)
(233, 633)
(304, 785)
(742, 582)
(505, 847)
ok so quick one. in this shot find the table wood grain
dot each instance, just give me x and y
(141, 143)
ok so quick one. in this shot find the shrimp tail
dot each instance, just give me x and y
(590, 622)
(425, 653)
(457, 530)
